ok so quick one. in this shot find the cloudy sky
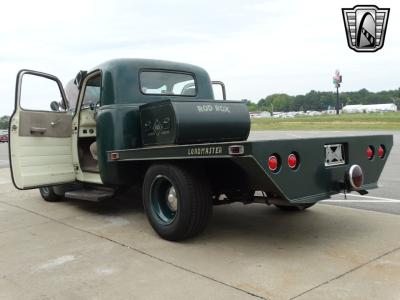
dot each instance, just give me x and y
(256, 47)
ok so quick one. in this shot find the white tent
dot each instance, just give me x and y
(388, 107)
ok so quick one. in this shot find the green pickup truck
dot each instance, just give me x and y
(156, 125)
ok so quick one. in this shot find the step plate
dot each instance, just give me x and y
(90, 194)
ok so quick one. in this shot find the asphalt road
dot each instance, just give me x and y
(384, 199)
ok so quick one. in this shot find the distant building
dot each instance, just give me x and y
(352, 109)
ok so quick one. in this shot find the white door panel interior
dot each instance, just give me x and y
(40, 140)
(41, 161)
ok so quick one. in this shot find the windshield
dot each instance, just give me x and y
(167, 83)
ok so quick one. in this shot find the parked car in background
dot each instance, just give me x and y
(4, 138)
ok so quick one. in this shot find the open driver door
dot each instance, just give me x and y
(40, 138)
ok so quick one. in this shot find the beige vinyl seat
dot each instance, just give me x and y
(93, 150)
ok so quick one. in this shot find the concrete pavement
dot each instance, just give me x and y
(4, 155)
(81, 250)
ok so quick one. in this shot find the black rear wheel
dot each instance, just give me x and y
(48, 194)
(295, 207)
(177, 201)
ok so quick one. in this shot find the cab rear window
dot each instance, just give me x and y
(167, 83)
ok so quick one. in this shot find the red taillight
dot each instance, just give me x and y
(273, 163)
(370, 152)
(381, 151)
(292, 161)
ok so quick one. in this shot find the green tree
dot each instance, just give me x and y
(276, 102)
(317, 100)
(4, 120)
(252, 106)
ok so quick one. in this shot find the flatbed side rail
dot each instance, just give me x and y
(312, 180)
(193, 151)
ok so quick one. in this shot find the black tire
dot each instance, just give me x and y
(49, 195)
(190, 208)
(297, 207)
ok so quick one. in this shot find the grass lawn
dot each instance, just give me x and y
(373, 121)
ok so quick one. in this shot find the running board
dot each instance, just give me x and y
(90, 194)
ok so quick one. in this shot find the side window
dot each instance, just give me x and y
(91, 95)
(38, 93)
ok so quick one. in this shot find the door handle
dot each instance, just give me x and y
(54, 123)
(38, 130)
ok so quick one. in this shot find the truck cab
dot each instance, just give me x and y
(58, 144)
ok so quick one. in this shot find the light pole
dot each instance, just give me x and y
(337, 80)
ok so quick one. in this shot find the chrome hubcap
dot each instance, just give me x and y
(172, 199)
